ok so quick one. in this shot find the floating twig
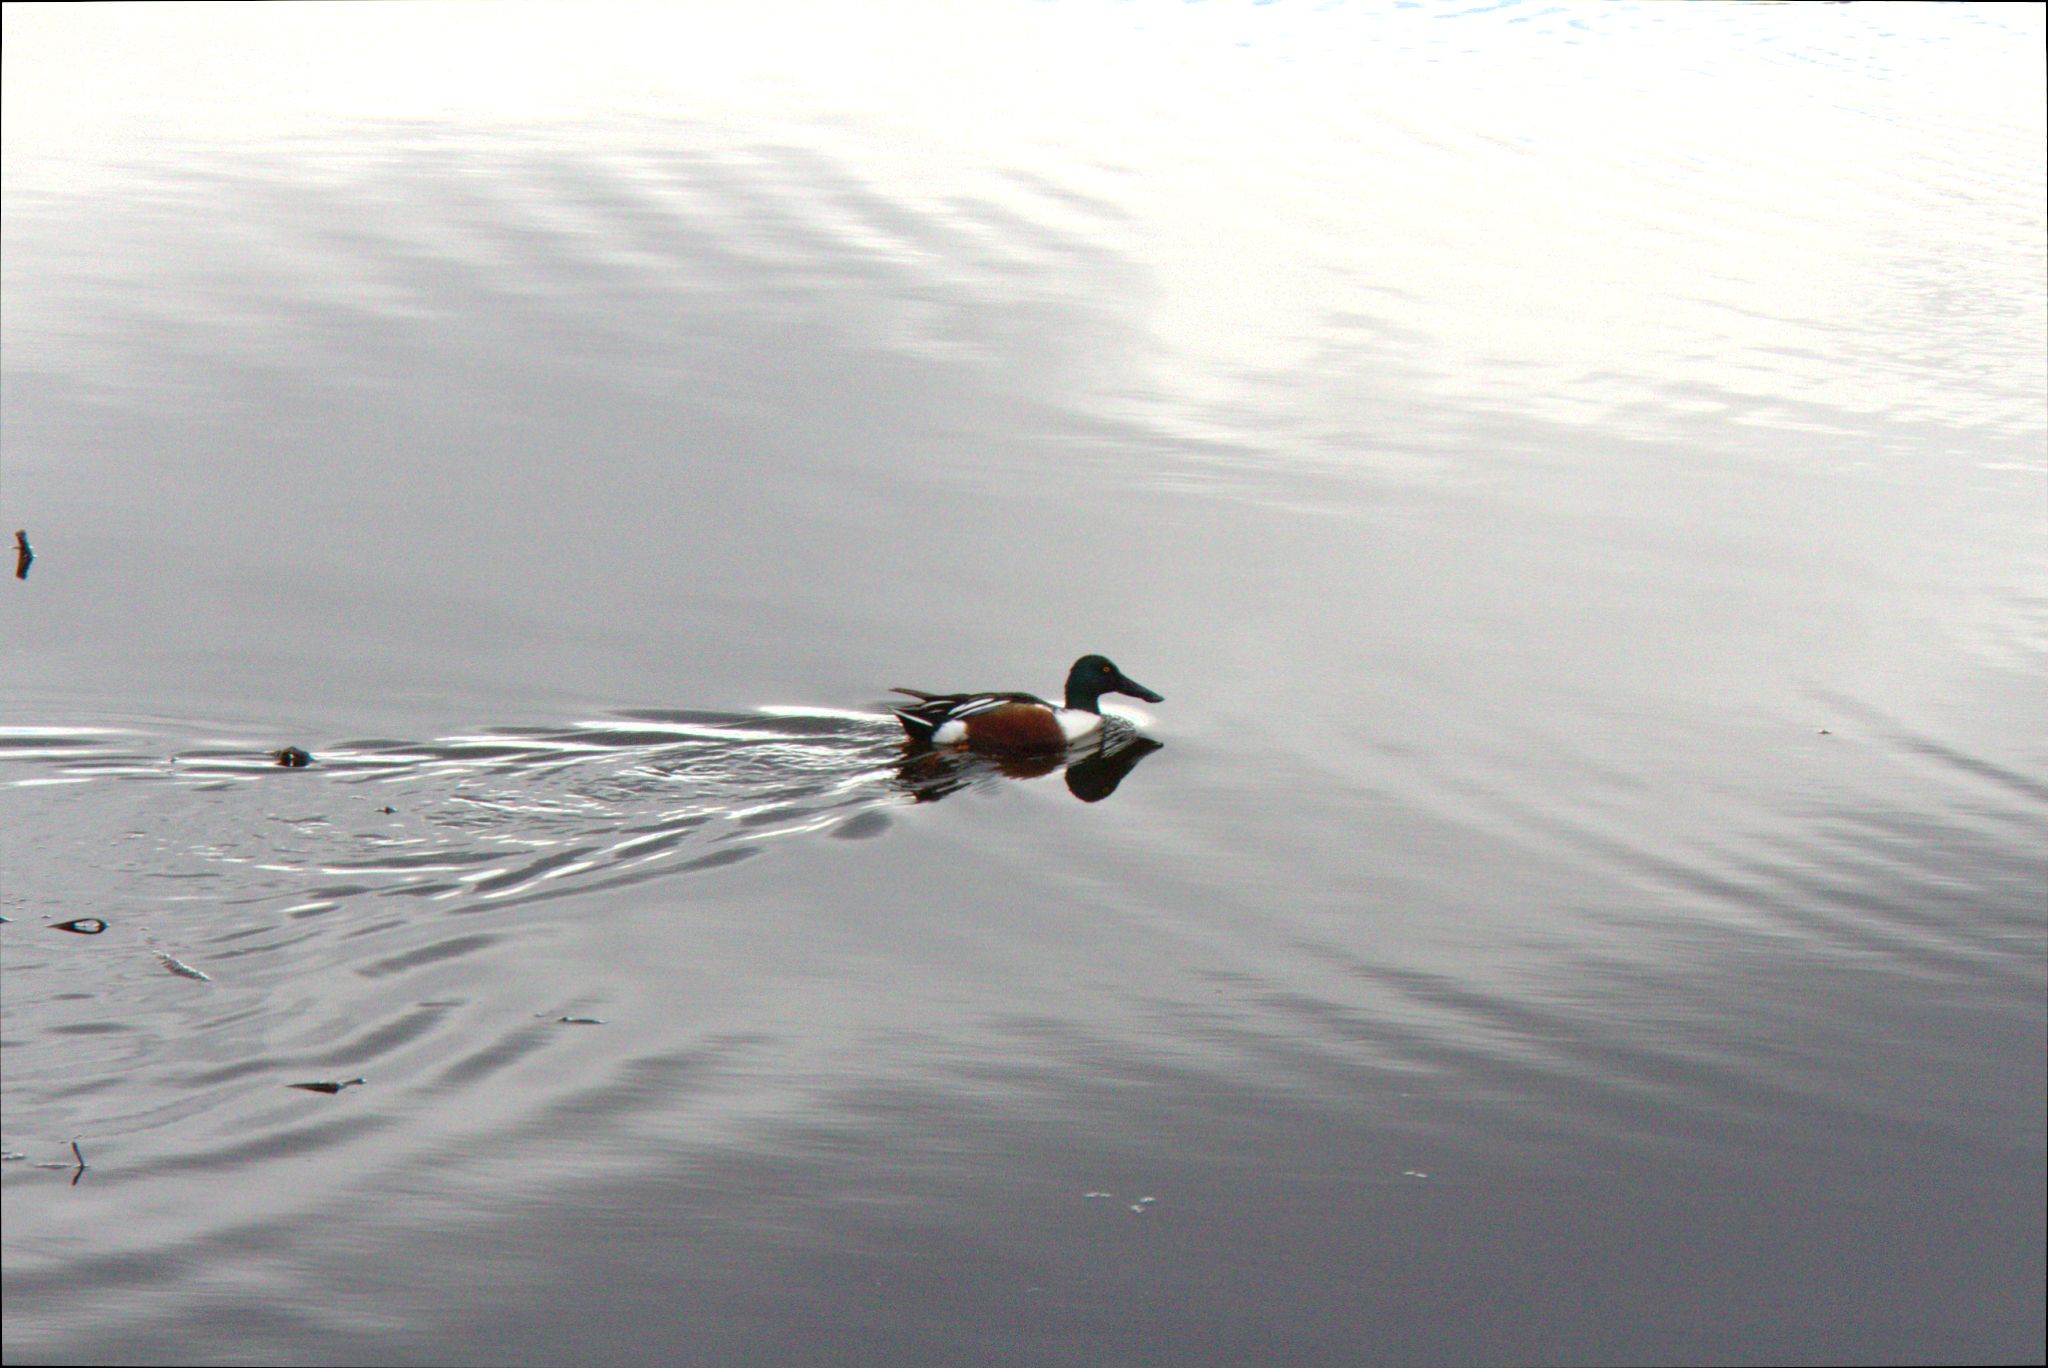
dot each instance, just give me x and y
(23, 556)
(77, 1169)
(330, 1088)
(182, 969)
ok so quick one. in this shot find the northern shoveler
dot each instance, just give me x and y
(1020, 721)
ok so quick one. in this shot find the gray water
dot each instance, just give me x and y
(1576, 475)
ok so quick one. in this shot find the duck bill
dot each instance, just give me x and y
(1126, 685)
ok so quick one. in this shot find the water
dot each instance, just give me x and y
(1575, 475)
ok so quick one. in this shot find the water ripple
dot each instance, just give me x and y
(504, 816)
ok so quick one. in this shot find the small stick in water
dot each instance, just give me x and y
(23, 556)
(329, 1088)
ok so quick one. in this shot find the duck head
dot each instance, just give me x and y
(1093, 676)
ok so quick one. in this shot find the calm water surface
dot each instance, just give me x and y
(1575, 474)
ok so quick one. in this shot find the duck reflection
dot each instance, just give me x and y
(1093, 770)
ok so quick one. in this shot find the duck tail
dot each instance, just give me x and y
(919, 728)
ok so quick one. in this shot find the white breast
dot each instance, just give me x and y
(1077, 723)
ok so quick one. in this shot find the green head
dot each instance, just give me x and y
(1093, 676)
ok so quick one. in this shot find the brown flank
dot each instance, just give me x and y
(1015, 727)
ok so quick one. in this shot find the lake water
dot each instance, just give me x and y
(1576, 474)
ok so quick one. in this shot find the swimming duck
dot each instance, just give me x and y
(1019, 722)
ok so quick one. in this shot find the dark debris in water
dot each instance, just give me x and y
(328, 1086)
(24, 557)
(81, 926)
(292, 757)
(574, 1020)
(76, 1166)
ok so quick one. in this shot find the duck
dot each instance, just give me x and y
(1020, 723)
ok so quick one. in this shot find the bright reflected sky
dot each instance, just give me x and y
(1502, 187)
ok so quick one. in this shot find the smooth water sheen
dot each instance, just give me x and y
(1576, 475)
